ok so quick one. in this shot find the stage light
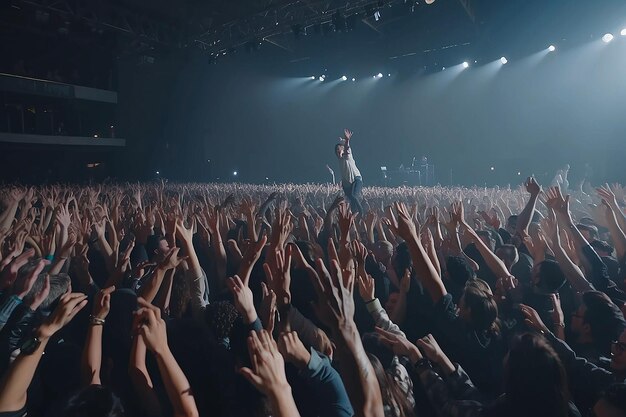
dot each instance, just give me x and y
(379, 75)
(492, 168)
(312, 77)
(504, 60)
(465, 64)
(607, 38)
(353, 79)
(519, 173)
(388, 75)
(551, 48)
(95, 136)
(623, 32)
(344, 78)
(321, 78)
(235, 173)
(158, 173)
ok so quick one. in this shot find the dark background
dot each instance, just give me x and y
(257, 112)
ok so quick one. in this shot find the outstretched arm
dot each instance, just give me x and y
(426, 271)
(151, 328)
(335, 307)
(493, 262)
(525, 217)
(17, 379)
(92, 351)
(347, 136)
(616, 221)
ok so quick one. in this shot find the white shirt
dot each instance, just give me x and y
(349, 171)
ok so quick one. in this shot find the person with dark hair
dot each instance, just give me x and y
(469, 332)
(458, 273)
(547, 277)
(595, 325)
(587, 381)
(395, 402)
(509, 255)
(351, 179)
(603, 248)
(590, 232)
(535, 382)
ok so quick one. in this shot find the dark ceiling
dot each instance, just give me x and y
(216, 28)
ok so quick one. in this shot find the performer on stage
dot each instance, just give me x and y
(351, 179)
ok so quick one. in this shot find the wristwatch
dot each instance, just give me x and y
(30, 345)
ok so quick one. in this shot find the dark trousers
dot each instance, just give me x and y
(354, 193)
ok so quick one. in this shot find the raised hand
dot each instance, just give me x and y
(184, 233)
(242, 298)
(268, 367)
(360, 253)
(9, 274)
(347, 134)
(268, 308)
(16, 246)
(69, 305)
(558, 318)
(457, 212)
(399, 345)
(431, 348)
(435, 354)
(403, 226)
(171, 260)
(556, 201)
(102, 303)
(251, 255)
(532, 186)
(532, 319)
(278, 274)
(62, 216)
(23, 285)
(605, 193)
(335, 304)
(281, 228)
(151, 327)
(292, 349)
(367, 287)
(345, 220)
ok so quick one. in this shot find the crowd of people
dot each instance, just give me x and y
(161, 299)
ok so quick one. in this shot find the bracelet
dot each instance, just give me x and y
(96, 321)
(370, 301)
(50, 257)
